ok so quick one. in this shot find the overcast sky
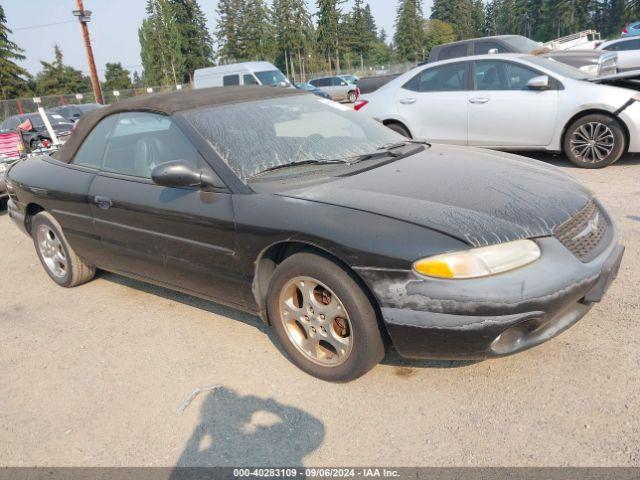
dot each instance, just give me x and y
(114, 28)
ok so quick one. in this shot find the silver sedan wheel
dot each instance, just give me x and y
(316, 321)
(52, 251)
(592, 142)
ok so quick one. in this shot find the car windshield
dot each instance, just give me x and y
(254, 137)
(272, 78)
(522, 44)
(560, 68)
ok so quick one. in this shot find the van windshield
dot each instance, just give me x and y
(271, 78)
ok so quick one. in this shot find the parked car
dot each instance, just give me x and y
(310, 88)
(628, 51)
(247, 73)
(72, 113)
(34, 131)
(337, 231)
(631, 29)
(591, 61)
(338, 88)
(11, 149)
(514, 102)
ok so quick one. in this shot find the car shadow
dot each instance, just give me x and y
(248, 431)
(392, 358)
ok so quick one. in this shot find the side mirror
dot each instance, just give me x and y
(493, 51)
(541, 82)
(343, 84)
(180, 173)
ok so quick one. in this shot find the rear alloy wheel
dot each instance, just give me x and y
(323, 319)
(594, 141)
(352, 97)
(56, 255)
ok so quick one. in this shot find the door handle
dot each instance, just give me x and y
(408, 101)
(103, 202)
(479, 100)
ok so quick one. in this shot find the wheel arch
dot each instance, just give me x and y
(31, 210)
(393, 121)
(273, 255)
(595, 111)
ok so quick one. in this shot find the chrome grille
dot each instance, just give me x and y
(583, 233)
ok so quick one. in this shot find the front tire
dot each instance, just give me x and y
(594, 141)
(323, 319)
(56, 255)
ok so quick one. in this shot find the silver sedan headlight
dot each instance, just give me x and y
(479, 262)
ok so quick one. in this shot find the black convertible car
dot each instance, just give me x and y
(342, 235)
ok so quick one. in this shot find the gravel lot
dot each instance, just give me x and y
(95, 376)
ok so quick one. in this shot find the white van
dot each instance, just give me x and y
(247, 73)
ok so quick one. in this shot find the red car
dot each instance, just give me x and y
(11, 149)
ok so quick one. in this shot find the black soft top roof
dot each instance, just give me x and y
(170, 103)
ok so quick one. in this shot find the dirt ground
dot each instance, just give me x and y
(95, 376)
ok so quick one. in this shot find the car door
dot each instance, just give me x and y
(341, 87)
(326, 85)
(504, 112)
(434, 103)
(180, 237)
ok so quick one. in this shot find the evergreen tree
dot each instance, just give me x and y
(359, 36)
(229, 48)
(137, 81)
(255, 31)
(116, 78)
(459, 14)
(162, 44)
(196, 44)
(408, 38)
(13, 78)
(293, 35)
(58, 78)
(329, 37)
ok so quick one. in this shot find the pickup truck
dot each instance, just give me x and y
(599, 63)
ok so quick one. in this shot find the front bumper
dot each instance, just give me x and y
(494, 316)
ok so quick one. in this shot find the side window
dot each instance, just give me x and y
(447, 78)
(325, 82)
(92, 149)
(231, 80)
(453, 51)
(483, 47)
(141, 141)
(249, 79)
(314, 82)
(337, 82)
(630, 45)
(497, 75)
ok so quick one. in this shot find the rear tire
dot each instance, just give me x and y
(399, 128)
(56, 255)
(323, 319)
(352, 97)
(594, 141)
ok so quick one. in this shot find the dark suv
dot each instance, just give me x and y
(592, 61)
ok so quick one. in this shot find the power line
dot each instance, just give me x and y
(42, 26)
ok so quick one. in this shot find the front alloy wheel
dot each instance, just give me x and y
(316, 321)
(324, 320)
(595, 141)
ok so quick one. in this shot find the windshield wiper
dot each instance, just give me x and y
(297, 164)
(386, 150)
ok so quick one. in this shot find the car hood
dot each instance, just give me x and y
(478, 196)
(628, 75)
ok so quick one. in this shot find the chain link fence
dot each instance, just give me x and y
(27, 105)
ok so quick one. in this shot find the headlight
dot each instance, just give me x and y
(479, 262)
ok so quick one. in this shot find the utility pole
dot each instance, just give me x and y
(84, 16)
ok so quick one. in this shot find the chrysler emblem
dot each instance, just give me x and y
(590, 228)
